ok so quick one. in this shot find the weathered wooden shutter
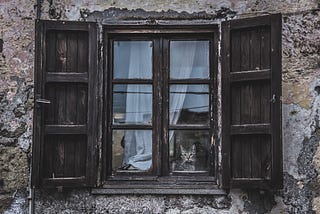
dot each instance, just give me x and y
(65, 129)
(251, 106)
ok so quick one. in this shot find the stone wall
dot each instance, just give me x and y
(301, 107)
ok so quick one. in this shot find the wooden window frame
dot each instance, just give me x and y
(159, 178)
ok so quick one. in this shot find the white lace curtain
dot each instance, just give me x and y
(138, 143)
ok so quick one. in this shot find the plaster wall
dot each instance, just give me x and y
(301, 106)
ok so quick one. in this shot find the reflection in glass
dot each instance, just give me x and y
(189, 151)
(189, 104)
(189, 59)
(131, 150)
(132, 104)
(132, 59)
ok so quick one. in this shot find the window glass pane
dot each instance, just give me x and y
(132, 104)
(189, 151)
(132, 59)
(189, 59)
(189, 104)
(131, 150)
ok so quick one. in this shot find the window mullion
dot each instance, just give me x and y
(165, 101)
(157, 107)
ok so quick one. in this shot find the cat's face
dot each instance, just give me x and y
(188, 155)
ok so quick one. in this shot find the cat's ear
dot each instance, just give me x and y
(193, 148)
(182, 149)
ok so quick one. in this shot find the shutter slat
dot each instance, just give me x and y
(251, 88)
(67, 77)
(250, 75)
(250, 129)
(65, 129)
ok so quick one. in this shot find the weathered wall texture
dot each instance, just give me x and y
(16, 92)
(301, 107)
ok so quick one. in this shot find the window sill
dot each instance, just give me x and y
(157, 190)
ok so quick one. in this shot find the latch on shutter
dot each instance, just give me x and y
(273, 99)
(44, 101)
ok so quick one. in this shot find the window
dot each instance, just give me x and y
(156, 115)
(161, 112)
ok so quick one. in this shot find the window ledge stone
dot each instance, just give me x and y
(157, 191)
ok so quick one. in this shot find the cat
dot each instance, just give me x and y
(187, 159)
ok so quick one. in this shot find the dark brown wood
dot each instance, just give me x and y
(276, 49)
(66, 77)
(255, 103)
(266, 157)
(236, 157)
(71, 105)
(190, 81)
(250, 22)
(69, 154)
(131, 127)
(58, 157)
(61, 100)
(66, 25)
(49, 109)
(255, 51)
(250, 129)
(93, 102)
(256, 157)
(265, 103)
(132, 81)
(107, 133)
(48, 158)
(245, 50)
(51, 50)
(72, 45)
(235, 108)
(161, 48)
(245, 106)
(189, 127)
(250, 75)
(265, 47)
(61, 52)
(64, 182)
(235, 51)
(245, 142)
(65, 129)
(83, 50)
(255, 124)
(139, 29)
(66, 140)
(226, 106)
(215, 140)
(165, 168)
(157, 107)
(37, 164)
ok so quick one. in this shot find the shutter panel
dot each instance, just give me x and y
(65, 133)
(251, 106)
